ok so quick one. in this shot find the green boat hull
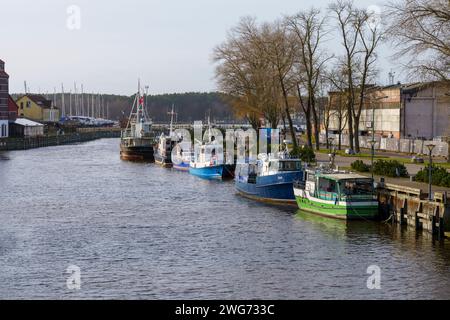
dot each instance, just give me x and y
(346, 212)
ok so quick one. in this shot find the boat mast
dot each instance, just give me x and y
(171, 121)
(139, 111)
(209, 128)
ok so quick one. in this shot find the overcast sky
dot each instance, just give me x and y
(168, 44)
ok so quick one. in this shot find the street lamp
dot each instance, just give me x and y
(372, 146)
(330, 142)
(331, 155)
(430, 147)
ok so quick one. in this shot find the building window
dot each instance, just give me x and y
(28, 104)
(21, 105)
(4, 131)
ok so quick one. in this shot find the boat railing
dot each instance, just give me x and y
(130, 134)
(300, 184)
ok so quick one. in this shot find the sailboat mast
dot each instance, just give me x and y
(70, 103)
(82, 100)
(63, 105)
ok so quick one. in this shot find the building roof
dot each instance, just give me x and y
(27, 123)
(39, 100)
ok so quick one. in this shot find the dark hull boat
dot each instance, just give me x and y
(271, 179)
(163, 159)
(136, 153)
(137, 139)
(166, 143)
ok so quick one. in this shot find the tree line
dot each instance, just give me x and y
(271, 70)
(189, 107)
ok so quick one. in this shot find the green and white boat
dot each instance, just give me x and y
(337, 194)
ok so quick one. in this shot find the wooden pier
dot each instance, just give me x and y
(411, 207)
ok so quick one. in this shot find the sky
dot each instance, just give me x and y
(167, 44)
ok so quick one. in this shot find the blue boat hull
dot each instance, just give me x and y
(183, 166)
(223, 171)
(274, 188)
(215, 172)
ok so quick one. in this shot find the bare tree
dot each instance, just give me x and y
(370, 35)
(279, 52)
(243, 73)
(337, 98)
(307, 29)
(420, 29)
(360, 38)
(344, 13)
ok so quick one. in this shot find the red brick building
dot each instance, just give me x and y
(4, 98)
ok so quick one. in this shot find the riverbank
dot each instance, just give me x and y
(11, 144)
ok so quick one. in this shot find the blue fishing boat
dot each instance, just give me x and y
(208, 161)
(270, 179)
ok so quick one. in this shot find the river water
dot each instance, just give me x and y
(138, 231)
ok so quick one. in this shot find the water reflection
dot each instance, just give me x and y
(140, 231)
(4, 156)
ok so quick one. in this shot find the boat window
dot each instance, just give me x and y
(327, 185)
(289, 165)
(311, 177)
(356, 187)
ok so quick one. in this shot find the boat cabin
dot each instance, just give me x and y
(209, 154)
(166, 144)
(268, 166)
(339, 186)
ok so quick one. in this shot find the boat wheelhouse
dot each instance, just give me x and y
(337, 194)
(209, 162)
(163, 154)
(270, 179)
(166, 143)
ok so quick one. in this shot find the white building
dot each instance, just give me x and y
(417, 110)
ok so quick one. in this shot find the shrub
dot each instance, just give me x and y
(389, 168)
(439, 176)
(305, 153)
(360, 166)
